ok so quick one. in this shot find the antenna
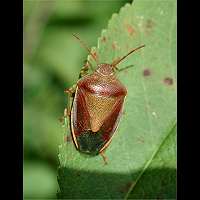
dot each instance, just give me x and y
(85, 46)
(118, 61)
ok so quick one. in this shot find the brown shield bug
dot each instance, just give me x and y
(96, 106)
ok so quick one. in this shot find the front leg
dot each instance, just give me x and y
(70, 93)
(85, 68)
(67, 111)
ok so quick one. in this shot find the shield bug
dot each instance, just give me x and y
(96, 106)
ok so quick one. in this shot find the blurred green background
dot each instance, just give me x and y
(52, 61)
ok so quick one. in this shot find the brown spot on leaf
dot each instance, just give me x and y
(114, 45)
(146, 72)
(95, 55)
(103, 39)
(168, 81)
(130, 29)
(149, 24)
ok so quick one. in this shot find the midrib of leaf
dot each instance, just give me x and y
(172, 127)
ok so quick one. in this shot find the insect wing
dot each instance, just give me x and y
(111, 122)
(79, 116)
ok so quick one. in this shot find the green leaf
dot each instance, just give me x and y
(158, 180)
(149, 112)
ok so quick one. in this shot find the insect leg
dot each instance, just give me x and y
(66, 118)
(105, 159)
(70, 92)
(85, 68)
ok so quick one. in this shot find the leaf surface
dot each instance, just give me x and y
(149, 112)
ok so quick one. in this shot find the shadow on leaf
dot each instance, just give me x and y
(153, 184)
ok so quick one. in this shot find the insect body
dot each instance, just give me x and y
(97, 107)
